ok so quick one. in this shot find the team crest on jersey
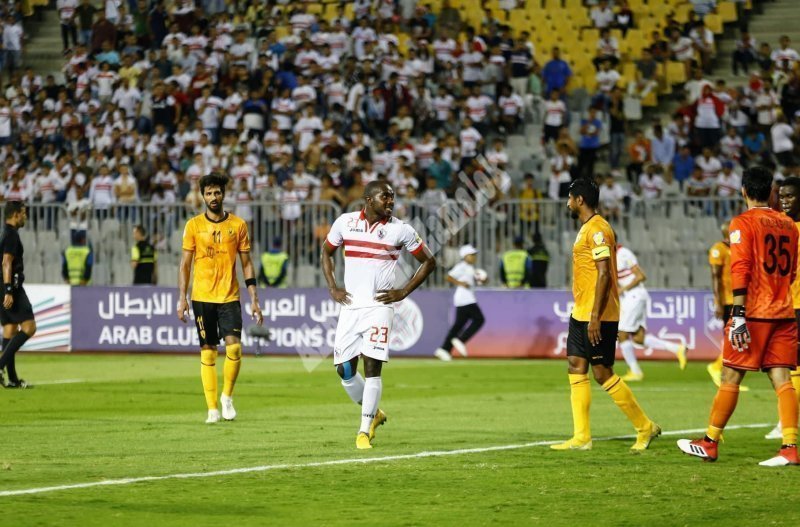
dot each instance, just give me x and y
(736, 236)
(381, 234)
(598, 238)
(230, 233)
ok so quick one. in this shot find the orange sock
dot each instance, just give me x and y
(787, 411)
(721, 409)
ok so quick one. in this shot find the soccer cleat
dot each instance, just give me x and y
(228, 411)
(213, 417)
(682, 357)
(362, 441)
(633, 377)
(460, 347)
(20, 384)
(378, 420)
(2, 379)
(702, 448)
(716, 374)
(643, 439)
(787, 455)
(442, 355)
(573, 444)
(775, 433)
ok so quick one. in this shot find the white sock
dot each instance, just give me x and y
(369, 406)
(354, 387)
(657, 344)
(630, 356)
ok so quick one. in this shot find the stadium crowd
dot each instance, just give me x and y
(297, 106)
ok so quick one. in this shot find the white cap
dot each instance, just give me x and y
(466, 250)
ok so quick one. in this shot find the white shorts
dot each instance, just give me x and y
(364, 331)
(633, 310)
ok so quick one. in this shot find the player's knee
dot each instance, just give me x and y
(346, 370)
(233, 351)
(208, 357)
(29, 327)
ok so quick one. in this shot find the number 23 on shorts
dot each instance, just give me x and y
(379, 334)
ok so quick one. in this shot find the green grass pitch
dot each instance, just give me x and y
(142, 415)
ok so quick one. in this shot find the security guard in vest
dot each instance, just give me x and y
(515, 266)
(273, 265)
(76, 267)
(143, 258)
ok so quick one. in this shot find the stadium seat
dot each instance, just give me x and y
(714, 23)
(34, 273)
(676, 72)
(727, 12)
(101, 274)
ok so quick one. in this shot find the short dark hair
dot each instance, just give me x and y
(213, 180)
(373, 187)
(13, 207)
(757, 183)
(140, 229)
(587, 189)
(792, 181)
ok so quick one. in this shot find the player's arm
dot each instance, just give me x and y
(601, 289)
(8, 284)
(184, 270)
(742, 266)
(250, 281)
(638, 278)
(451, 280)
(716, 288)
(338, 294)
(423, 256)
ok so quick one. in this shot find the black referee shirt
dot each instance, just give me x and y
(11, 244)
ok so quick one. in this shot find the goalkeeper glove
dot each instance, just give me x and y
(739, 335)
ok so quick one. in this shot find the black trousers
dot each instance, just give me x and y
(469, 320)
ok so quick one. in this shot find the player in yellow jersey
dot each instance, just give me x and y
(592, 338)
(789, 194)
(212, 242)
(719, 258)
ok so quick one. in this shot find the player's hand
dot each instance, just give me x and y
(8, 301)
(390, 296)
(183, 310)
(739, 335)
(255, 309)
(340, 296)
(594, 332)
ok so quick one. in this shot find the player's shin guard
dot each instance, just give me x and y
(629, 354)
(721, 409)
(208, 374)
(581, 398)
(787, 411)
(230, 371)
(656, 343)
(624, 399)
(373, 386)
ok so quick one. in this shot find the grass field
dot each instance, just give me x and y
(139, 416)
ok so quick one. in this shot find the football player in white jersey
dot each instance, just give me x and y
(373, 240)
(633, 299)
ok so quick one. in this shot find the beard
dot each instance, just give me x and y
(573, 214)
(216, 209)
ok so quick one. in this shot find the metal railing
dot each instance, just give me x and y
(670, 236)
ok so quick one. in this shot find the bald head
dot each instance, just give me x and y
(374, 188)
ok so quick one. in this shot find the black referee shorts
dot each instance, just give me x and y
(21, 311)
(578, 344)
(216, 321)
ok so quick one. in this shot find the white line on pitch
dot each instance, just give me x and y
(60, 381)
(365, 460)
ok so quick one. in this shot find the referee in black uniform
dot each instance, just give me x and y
(16, 313)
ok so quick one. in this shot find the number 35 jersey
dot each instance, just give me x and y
(764, 262)
(215, 246)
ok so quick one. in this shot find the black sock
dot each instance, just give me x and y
(10, 349)
(11, 367)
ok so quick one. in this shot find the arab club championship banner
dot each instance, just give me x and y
(526, 323)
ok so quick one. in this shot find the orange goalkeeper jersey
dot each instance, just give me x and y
(796, 283)
(216, 246)
(764, 262)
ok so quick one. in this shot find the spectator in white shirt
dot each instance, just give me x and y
(555, 112)
(782, 142)
(602, 16)
(101, 192)
(651, 182)
(612, 198)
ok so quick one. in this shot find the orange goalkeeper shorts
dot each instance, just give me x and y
(773, 344)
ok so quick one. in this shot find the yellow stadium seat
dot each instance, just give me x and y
(572, 4)
(682, 13)
(650, 100)
(638, 6)
(629, 71)
(282, 32)
(676, 72)
(727, 11)
(551, 4)
(314, 9)
(714, 23)
(590, 34)
(580, 16)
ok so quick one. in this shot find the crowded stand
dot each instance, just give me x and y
(303, 103)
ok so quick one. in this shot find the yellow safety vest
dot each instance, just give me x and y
(272, 263)
(76, 256)
(514, 266)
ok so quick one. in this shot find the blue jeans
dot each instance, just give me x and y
(616, 145)
(85, 36)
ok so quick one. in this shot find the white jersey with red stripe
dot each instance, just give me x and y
(371, 252)
(626, 261)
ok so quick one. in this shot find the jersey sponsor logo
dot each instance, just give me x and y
(736, 236)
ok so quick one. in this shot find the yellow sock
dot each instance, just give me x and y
(581, 399)
(233, 362)
(623, 397)
(717, 364)
(208, 374)
(796, 382)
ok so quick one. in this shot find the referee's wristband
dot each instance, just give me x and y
(737, 311)
(250, 281)
(9, 288)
